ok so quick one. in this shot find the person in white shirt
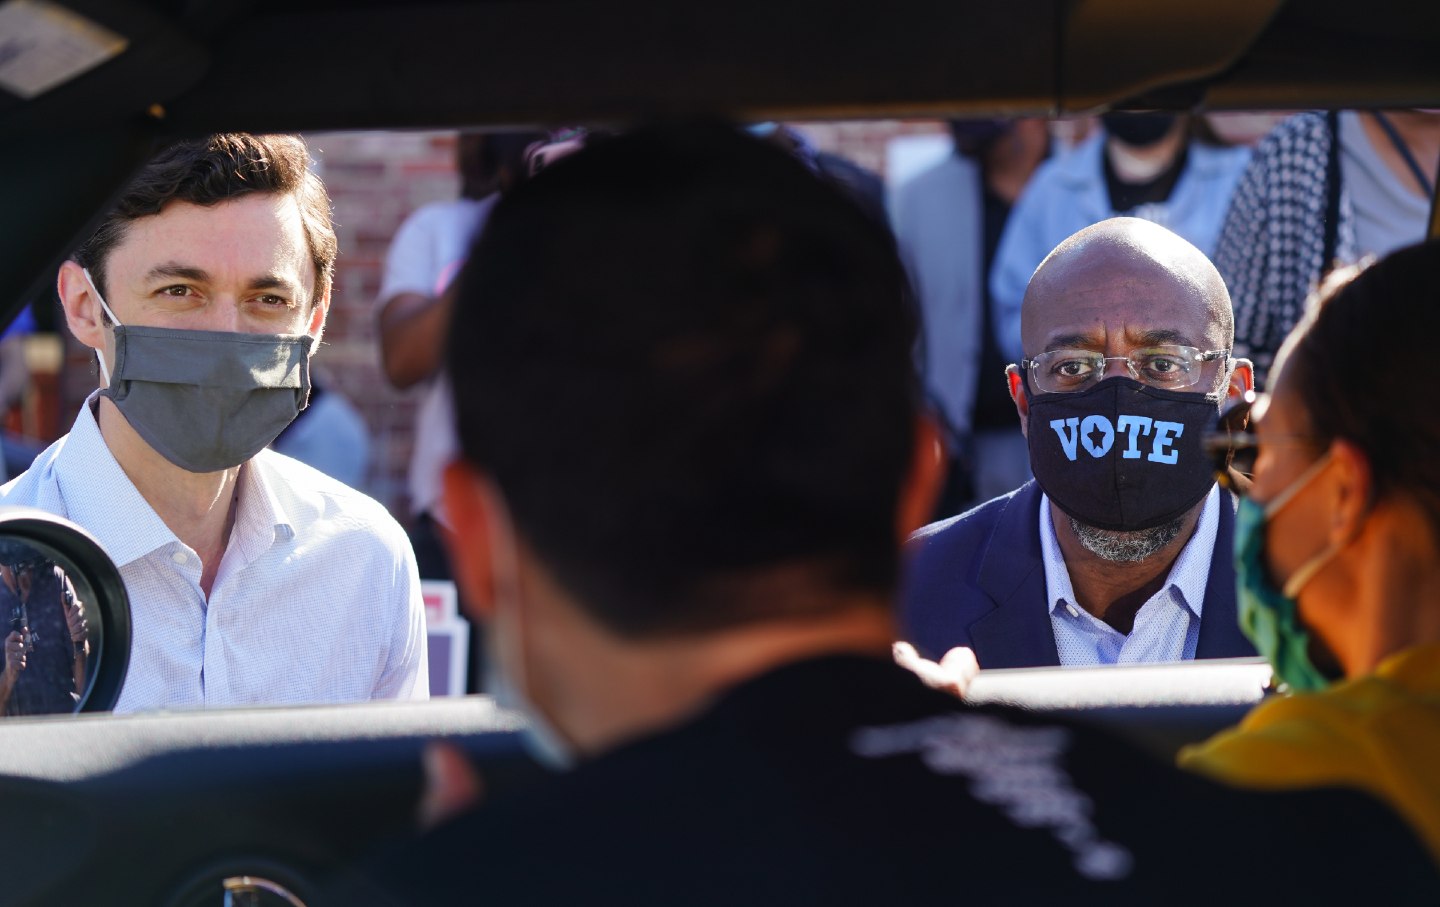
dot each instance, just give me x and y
(413, 313)
(252, 578)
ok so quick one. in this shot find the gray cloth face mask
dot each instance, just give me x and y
(206, 400)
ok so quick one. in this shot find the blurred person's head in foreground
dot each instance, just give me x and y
(490, 162)
(1339, 543)
(690, 428)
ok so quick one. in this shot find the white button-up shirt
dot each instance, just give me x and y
(317, 598)
(1167, 626)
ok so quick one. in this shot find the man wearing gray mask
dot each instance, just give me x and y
(252, 578)
(1119, 550)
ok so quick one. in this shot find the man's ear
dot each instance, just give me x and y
(1016, 383)
(1353, 488)
(83, 314)
(469, 537)
(1242, 378)
(318, 311)
(924, 479)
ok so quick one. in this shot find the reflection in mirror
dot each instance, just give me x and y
(252, 891)
(51, 631)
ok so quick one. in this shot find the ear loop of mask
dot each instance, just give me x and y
(100, 353)
(504, 562)
(1306, 571)
(547, 744)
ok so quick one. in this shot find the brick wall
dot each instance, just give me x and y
(864, 141)
(375, 181)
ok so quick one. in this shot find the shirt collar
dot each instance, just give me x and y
(1188, 576)
(1057, 575)
(99, 496)
(261, 517)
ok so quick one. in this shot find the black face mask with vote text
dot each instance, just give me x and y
(1121, 456)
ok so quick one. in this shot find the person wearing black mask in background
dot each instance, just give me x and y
(1119, 551)
(1142, 165)
(947, 221)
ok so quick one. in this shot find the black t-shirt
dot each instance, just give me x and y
(843, 781)
(1126, 197)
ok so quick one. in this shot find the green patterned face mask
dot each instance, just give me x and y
(1269, 616)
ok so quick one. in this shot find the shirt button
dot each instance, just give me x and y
(180, 557)
(1074, 611)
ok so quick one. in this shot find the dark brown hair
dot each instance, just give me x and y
(1358, 361)
(217, 169)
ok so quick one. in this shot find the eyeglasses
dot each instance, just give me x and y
(1165, 367)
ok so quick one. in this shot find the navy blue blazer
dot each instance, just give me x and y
(978, 580)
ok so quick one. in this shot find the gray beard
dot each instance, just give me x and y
(1122, 546)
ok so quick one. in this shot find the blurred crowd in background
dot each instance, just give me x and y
(975, 205)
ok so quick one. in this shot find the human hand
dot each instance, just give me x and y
(16, 645)
(75, 617)
(952, 674)
(452, 785)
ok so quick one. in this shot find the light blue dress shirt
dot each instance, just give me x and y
(1167, 626)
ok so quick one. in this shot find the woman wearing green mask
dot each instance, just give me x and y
(1338, 548)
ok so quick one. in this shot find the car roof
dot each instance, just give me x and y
(279, 65)
(189, 67)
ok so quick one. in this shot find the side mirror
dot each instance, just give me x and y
(64, 618)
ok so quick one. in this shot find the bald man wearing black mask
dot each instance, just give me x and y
(1119, 550)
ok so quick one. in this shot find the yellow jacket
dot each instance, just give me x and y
(1380, 733)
